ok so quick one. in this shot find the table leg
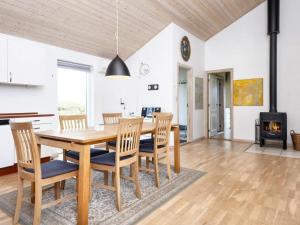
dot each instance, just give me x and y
(83, 186)
(176, 149)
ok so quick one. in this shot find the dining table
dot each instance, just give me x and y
(80, 140)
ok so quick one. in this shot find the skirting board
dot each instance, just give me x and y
(244, 140)
(13, 169)
(198, 139)
(194, 140)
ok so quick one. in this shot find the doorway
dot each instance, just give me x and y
(184, 103)
(220, 114)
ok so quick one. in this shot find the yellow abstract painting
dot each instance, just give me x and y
(248, 92)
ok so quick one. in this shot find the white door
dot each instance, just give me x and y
(213, 106)
(26, 62)
(221, 104)
(183, 118)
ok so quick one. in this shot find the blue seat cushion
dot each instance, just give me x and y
(55, 168)
(147, 141)
(94, 152)
(149, 148)
(112, 143)
(107, 159)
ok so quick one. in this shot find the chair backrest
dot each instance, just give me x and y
(159, 113)
(111, 118)
(73, 122)
(163, 123)
(28, 155)
(128, 140)
(154, 116)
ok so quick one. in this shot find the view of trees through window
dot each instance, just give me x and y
(72, 91)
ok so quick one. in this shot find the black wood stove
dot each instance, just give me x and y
(273, 124)
(273, 127)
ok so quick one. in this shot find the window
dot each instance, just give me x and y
(72, 88)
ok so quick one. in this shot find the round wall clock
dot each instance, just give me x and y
(185, 48)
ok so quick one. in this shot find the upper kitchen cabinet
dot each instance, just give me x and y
(3, 60)
(26, 62)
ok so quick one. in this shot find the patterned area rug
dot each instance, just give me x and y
(102, 207)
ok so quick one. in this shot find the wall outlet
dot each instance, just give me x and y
(153, 87)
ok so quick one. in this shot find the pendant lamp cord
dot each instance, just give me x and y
(117, 33)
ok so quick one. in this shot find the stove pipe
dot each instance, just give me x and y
(273, 31)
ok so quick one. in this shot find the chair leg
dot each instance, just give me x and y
(113, 179)
(118, 189)
(37, 203)
(91, 184)
(157, 182)
(132, 168)
(77, 188)
(19, 200)
(105, 177)
(136, 180)
(57, 190)
(148, 164)
(63, 182)
(168, 164)
(121, 172)
(140, 161)
(32, 192)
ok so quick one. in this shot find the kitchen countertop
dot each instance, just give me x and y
(23, 115)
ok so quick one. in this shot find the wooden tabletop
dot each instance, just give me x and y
(99, 134)
(22, 115)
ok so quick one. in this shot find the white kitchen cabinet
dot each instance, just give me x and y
(7, 147)
(3, 60)
(26, 62)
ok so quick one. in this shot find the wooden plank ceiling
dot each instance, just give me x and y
(89, 25)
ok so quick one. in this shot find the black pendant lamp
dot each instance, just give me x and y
(117, 67)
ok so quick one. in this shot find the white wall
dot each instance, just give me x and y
(288, 63)
(162, 54)
(43, 99)
(244, 46)
(196, 63)
(133, 91)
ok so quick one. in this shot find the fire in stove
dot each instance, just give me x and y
(272, 127)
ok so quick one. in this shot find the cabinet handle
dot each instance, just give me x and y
(36, 128)
(10, 77)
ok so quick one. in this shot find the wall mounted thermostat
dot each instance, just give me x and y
(153, 87)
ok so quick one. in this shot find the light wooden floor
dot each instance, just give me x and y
(239, 188)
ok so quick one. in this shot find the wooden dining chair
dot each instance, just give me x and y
(111, 118)
(151, 139)
(31, 169)
(126, 154)
(159, 147)
(73, 123)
